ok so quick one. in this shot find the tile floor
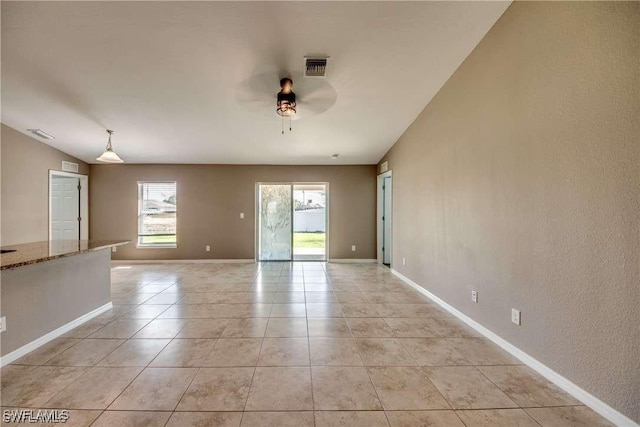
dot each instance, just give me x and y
(280, 344)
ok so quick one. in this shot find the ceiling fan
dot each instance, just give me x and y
(312, 96)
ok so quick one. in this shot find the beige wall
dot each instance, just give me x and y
(25, 186)
(521, 179)
(211, 197)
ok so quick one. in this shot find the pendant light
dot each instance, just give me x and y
(109, 156)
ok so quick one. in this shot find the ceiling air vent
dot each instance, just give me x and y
(315, 66)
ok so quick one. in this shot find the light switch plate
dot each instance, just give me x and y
(241, 215)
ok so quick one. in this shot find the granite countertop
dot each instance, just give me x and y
(33, 253)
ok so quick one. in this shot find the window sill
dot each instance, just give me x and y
(157, 246)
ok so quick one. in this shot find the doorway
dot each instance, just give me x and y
(292, 221)
(385, 218)
(68, 206)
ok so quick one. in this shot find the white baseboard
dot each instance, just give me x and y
(182, 261)
(353, 261)
(585, 397)
(27, 348)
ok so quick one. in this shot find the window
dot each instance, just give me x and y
(157, 214)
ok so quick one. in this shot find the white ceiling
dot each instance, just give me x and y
(165, 75)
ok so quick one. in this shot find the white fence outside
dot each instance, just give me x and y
(309, 221)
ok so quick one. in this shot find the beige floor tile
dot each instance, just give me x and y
(569, 416)
(120, 328)
(256, 310)
(526, 387)
(86, 353)
(369, 327)
(203, 328)
(351, 419)
(163, 299)
(334, 352)
(161, 328)
(280, 389)
(135, 352)
(47, 351)
(384, 352)
(86, 329)
(150, 311)
(343, 388)
(419, 327)
(288, 297)
(260, 296)
(286, 328)
(319, 297)
(234, 352)
(277, 419)
(434, 351)
(217, 389)
(284, 352)
(288, 310)
(38, 385)
(466, 388)
(406, 389)
(131, 419)
(359, 310)
(12, 373)
(497, 418)
(481, 351)
(155, 389)
(95, 389)
(188, 353)
(423, 419)
(329, 328)
(245, 328)
(351, 297)
(410, 310)
(324, 310)
(205, 419)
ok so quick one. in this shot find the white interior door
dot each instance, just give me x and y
(65, 208)
(386, 220)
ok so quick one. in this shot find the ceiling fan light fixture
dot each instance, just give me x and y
(286, 99)
(109, 156)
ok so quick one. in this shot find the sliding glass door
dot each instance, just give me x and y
(292, 222)
(274, 222)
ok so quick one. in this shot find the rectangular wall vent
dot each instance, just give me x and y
(69, 167)
(315, 66)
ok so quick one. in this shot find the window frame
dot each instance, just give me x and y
(140, 245)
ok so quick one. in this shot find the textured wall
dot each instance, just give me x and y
(25, 169)
(211, 197)
(521, 179)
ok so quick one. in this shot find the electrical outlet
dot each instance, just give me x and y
(404, 261)
(207, 248)
(515, 316)
(353, 248)
(474, 296)
(114, 249)
(3, 323)
(241, 215)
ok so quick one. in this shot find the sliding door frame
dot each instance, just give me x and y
(257, 217)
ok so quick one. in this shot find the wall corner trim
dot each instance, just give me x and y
(353, 260)
(27, 348)
(585, 397)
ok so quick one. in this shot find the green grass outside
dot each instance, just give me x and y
(308, 240)
(159, 239)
